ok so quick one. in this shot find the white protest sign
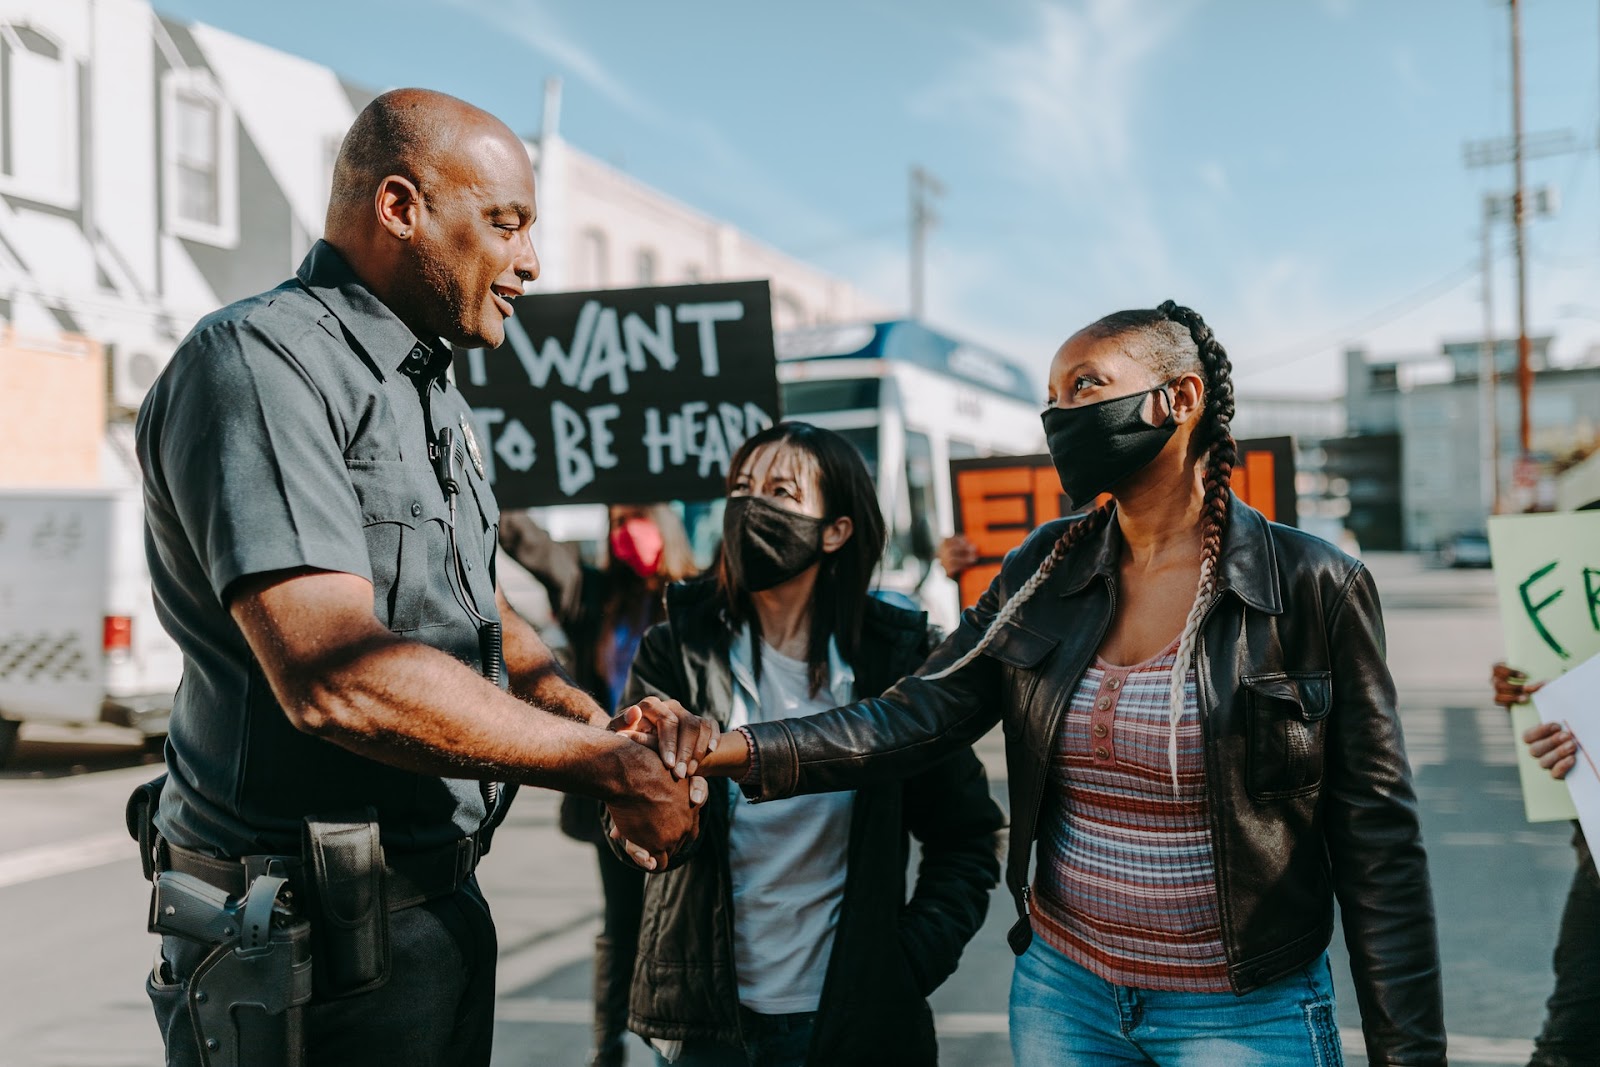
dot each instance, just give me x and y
(1573, 700)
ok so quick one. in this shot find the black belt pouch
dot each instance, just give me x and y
(349, 905)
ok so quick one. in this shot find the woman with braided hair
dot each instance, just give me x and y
(1203, 747)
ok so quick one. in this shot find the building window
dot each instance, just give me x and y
(593, 266)
(645, 267)
(200, 153)
(39, 98)
(198, 158)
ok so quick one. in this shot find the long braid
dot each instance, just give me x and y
(1221, 457)
(1072, 535)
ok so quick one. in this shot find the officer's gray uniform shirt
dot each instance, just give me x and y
(291, 430)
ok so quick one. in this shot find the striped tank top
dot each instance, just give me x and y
(1127, 884)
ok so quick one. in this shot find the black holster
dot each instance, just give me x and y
(140, 816)
(248, 1003)
(247, 997)
(348, 903)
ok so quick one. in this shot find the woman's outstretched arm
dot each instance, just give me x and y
(918, 722)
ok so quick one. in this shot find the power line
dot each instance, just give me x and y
(1382, 317)
(856, 237)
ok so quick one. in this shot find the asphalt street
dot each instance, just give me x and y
(72, 902)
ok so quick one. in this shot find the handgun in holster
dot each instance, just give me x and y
(247, 997)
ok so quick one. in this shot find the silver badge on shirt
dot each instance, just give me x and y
(472, 445)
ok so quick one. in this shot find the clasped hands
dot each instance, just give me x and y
(651, 826)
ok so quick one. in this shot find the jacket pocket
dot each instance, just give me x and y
(1017, 646)
(1286, 715)
(1022, 650)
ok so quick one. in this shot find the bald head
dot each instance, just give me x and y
(431, 204)
(412, 133)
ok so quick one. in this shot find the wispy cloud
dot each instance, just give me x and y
(1064, 93)
(1403, 62)
(1058, 106)
(532, 23)
(735, 182)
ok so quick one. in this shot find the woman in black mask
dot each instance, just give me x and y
(1202, 741)
(787, 937)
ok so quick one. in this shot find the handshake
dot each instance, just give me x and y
(660, 814)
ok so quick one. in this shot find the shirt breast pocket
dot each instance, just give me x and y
(1286, 715)
(395, 518)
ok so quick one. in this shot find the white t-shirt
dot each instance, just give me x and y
(787, 858)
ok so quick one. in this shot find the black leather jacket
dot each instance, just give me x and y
(889, 952)
(1311, 794)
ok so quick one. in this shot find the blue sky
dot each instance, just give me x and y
(1292, 170)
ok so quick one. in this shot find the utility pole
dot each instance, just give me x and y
(924, 186)
(1519, 222)
(1489, 368)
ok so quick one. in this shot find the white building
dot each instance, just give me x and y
(153, 170)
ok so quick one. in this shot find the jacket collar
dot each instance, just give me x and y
(385, 340)
(1249, 560)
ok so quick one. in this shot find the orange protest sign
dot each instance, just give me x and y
(1001, 499)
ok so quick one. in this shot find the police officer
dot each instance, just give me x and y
(321, 542)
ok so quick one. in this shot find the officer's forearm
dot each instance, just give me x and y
(537, 677)
(552, 689)
(405, 704)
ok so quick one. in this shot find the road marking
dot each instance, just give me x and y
(544, 1010)
(1467, 1049)
(1463, 1049)
(47, 861)
(523, 967)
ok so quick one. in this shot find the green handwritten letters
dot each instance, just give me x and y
(1547, 570)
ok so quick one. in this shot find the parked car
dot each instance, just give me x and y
(1465, 550)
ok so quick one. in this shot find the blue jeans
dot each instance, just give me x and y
(769, 1041)
(1062, 1014)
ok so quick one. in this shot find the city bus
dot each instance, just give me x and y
(911, 399)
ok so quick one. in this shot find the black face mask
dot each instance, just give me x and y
(766, 545)
(1097, 446)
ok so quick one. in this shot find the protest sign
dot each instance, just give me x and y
(1547, 572)
(1001, 499)
(624, 395)
(1570, 700)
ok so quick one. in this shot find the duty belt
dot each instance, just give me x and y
(412, 878)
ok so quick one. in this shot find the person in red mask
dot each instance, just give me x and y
(604, 611)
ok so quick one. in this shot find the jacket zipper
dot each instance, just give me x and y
(1050, 738)
(1211, 813)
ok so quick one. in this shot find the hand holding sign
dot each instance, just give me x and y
(1572, 706)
